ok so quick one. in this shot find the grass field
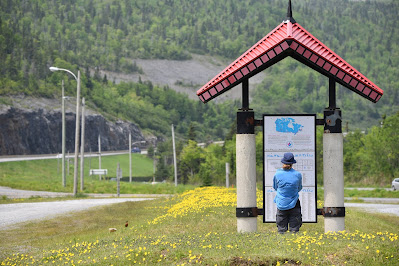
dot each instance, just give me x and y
(45, 175)
(197, 226)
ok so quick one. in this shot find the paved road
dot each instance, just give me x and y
(376, 208)
(14, 158)
(19, 194)
(12, 214)
(12, 193)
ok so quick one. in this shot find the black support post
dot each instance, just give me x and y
(332, 114)
(332, 94)
(245, 95)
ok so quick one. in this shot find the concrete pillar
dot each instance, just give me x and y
(246, 173)
(333, 179)
(333, 172)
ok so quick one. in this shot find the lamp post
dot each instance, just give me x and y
(82, 147)
(63, 136)
(75, 174)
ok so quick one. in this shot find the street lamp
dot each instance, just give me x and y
(63, 134)
(75, 173)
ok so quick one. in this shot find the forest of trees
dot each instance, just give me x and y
(109, 35)
(370, 159)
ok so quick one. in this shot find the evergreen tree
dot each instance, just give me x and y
(191, 132)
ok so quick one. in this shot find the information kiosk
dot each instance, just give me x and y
(296, 134)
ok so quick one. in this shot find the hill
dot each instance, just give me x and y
(111, 39)
(184, 76)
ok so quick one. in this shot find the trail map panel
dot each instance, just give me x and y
(296, 134)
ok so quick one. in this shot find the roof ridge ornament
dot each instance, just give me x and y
(289, 14)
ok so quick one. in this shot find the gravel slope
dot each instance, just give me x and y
(183, 76)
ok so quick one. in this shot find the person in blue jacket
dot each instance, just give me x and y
(288, 182)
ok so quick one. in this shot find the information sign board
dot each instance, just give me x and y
(296, 134)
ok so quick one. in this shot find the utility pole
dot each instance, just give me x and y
(82, 147)
(227, 175)
(75, 170)
(153, 161)
(99, 153)
(63, 135)
(90, 159)
(118, 180)
(68, 164)
(130, 157)
(174, 154)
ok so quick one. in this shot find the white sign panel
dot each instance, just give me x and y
(296, 134)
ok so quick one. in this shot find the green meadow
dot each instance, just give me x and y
(45, 175)
(195, 227)
(192, 226)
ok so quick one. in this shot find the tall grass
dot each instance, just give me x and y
(198, 226)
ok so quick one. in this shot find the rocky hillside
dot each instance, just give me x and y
(33, 126)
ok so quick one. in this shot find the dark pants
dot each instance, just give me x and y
(291, 217)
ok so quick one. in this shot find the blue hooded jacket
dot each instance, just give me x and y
(287, 183)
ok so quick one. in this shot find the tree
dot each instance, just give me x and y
(387, 146)
(162, 172)
(151, 151)
(213, 168)
(353, 156)
(190, 161)
(191, 132)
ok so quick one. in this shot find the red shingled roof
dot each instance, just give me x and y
(290, 39)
